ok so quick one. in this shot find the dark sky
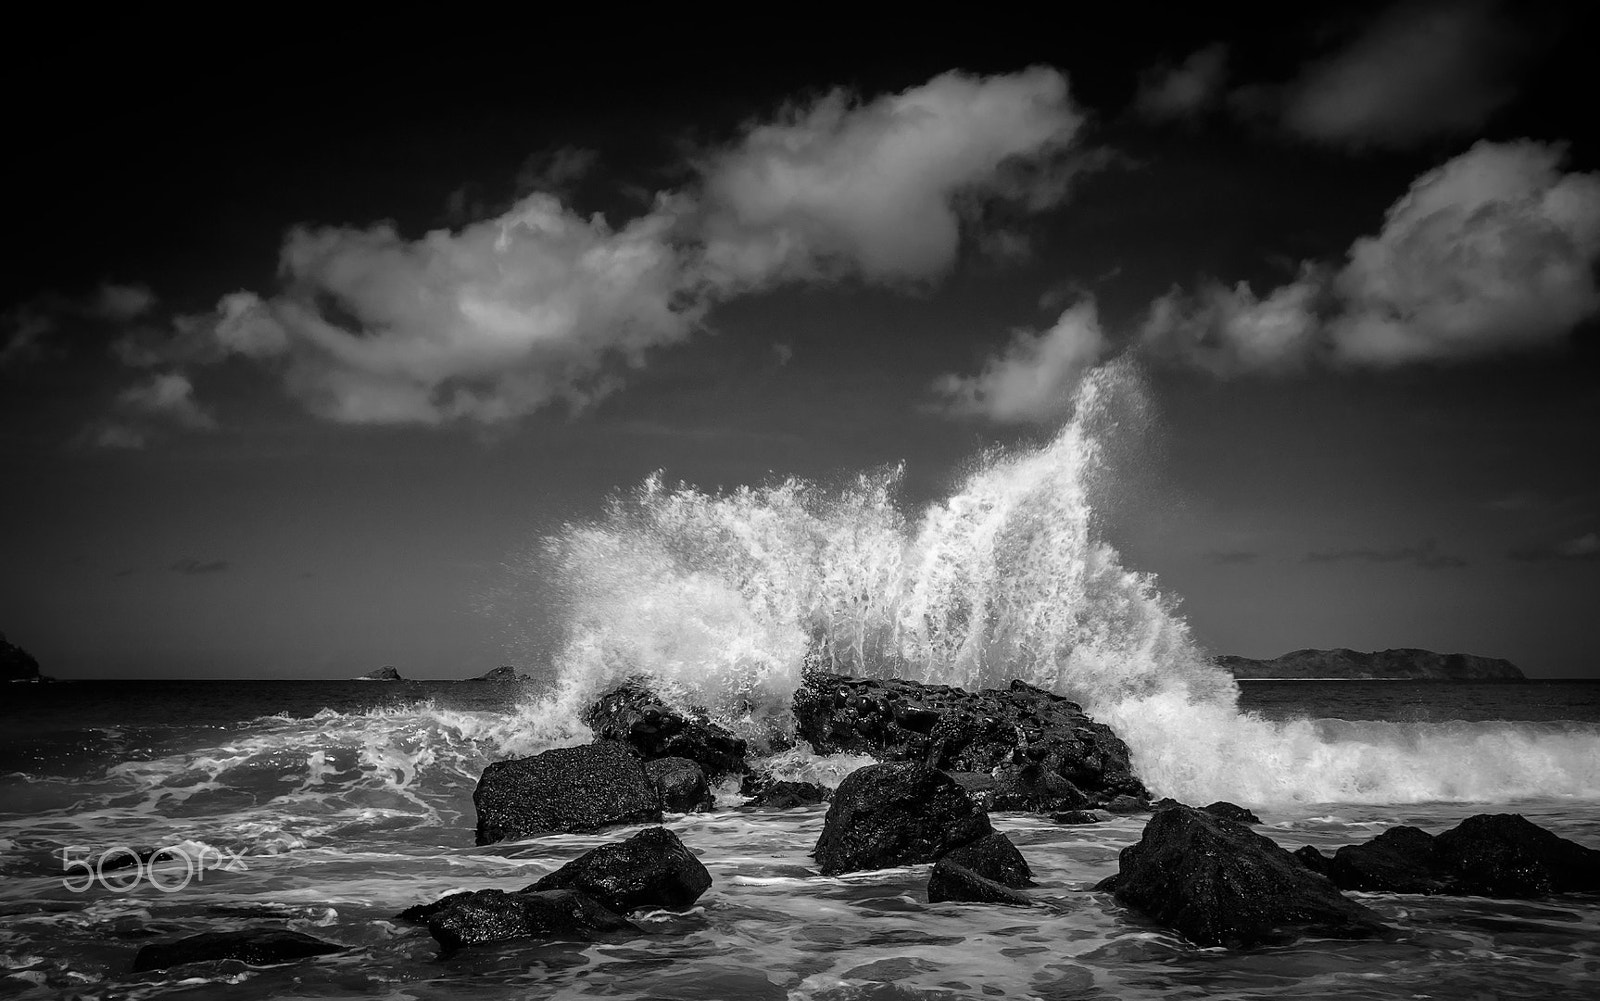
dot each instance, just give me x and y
(820, 251)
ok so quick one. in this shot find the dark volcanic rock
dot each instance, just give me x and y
(1505, 855)
(896, 814)
(960, 731)
(682, 785)
(482, 916)
(385, 673)
(16, 664)
(650, 869)
(1352, 665)
(1220, 883)
(953, 881)
(994, 857)
(1074, 817)
(1128, 804)
(1313, 859)
(1229, 811)
(781, 794)
(256, 946)
(567, 789)
(1400, 860)
(1033, 788)
(503, 673)
(635, 716)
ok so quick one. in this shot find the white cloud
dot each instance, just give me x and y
(28, 327)
(1423, 69)
(167, 396)
(1169, 93)
(1492, 253)
(881, 188)
(1032, 380)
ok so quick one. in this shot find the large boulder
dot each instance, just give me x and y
(1030, 732)
(1400, 860)
(994, 857)
(637, 717)
(568, 789)
(896, 814)
(954, 881)
(1219, 883)
(1506, 855)
(255, 946)
(650, 869)
(682, 785)
(482, 916)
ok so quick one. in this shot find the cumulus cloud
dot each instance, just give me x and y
(1421, 70)
(1172, 93)
(1032, 379)
(168, 396)
(542, 306)
(1425, 555)
(27, 327)
(1492, 253)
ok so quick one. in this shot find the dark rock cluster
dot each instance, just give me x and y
(637, 717)
(566, 789)
(256, 946)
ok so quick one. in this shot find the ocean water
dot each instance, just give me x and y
(329, 806)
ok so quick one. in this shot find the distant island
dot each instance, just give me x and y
(1380, 665)
(504, 672)
(385, 673)
(17, 664)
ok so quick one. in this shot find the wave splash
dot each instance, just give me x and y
(723, 599)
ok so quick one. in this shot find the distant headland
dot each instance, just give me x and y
(17, 664)
(1380, 665)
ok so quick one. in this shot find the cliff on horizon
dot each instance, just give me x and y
(16, 664)
(1380, 665)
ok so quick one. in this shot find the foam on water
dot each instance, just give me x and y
(723, 599)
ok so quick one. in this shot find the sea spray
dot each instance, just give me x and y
(722, 600)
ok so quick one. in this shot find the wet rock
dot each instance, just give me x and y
(1073, 817)
(953, 881)
(484, 916)
(682, 785)
(568, 789)
(896, 814)
(1312, 859)
(994, 857)
(979, 785)
(1021, 730)
(1033, 788)
(650, 869)
(1506, 855)
(765, 791)
(1400, 860)
(1229, 811)
(637, 717)
(1219, 883)
(256, 946)
(1129, 804)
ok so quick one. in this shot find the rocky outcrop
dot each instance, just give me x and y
(503, 674)
(568, 789)
(16, 664)
(681, 783)
(484, 916)
(1380, 665)
(1221, 808)
(781, 794)
(650, 869)
(994, 857)
(385, 673)
(896, 814)
(637, 717)
(1498, 855)
(255, 946)
(954, 881)
(1042, 750)
(1219, 883)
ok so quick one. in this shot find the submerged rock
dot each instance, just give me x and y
(782, 794)
(639, 718)
(484, 916)
(1077, 817)
(1219, 883)
(1039, 733)
(256, 946)
(650, 869)
(682, 785)
(994, 857)
(951, 880)
(568, 789)
(385, 673)
(896, 814)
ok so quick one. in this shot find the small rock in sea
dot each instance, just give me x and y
(255, 946)
(1077, 817)
(650, 869)
(385, 673)
(979, 785)
(569, 789)
(1219, 883)
(765, 791)
(1229, 811)
(682, 784)
(994, 857)
(1312, 859)
(896, 814)
(1400, 860)
(1127, 804)
(637, 717)
(483, 916)
(953, 881)
(500, 675)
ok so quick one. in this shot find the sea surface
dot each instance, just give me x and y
(345, 802)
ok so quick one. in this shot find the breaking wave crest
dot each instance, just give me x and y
(724, 599)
